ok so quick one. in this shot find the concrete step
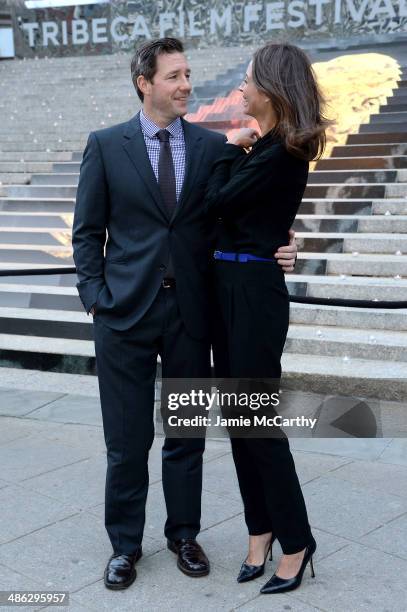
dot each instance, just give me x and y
(387, 128)
(375, 163)
(396, 105)
(14, 178)
(49, 280)
(356, 206)
(38, 243)
(355, 175)
(339, 264)
(46, 323)
(39, 191)
(54, 146)
(24, 167)
(354, 343)
(377, 137)
(33, 156)
(388, 206)
(398, 92)
(345, 376)
(391, 116)
(47, 354)
(67, 167)
(399, 96)
(78, 325)
(44, 133)
(363, 150)
(55, 205)
(319, 373)
(358, 288)
(357, 318)
(386, 224)
(337, 242)
(29, 236)
(25, 221)
(16, 139)
(331, 190)
(315, 177)
(52, 226)
(55, 179)
(33, 253)
(43, 296)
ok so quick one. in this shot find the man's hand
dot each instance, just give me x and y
(286, 255)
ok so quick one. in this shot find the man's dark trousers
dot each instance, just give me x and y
(126, 363)
(122, 239)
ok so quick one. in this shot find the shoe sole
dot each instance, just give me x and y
(120, 587)
(187, 572)
(192, 574)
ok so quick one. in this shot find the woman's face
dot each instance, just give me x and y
(255, 102)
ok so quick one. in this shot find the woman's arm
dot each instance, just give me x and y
(249, 180)
(220, 174)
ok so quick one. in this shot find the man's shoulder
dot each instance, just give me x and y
(113, 131)
(210, 135)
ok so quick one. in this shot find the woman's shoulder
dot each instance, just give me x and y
(277, 152)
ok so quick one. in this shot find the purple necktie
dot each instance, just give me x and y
(166, 183)
(166, 173)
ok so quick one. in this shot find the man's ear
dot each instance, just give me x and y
(143, 84)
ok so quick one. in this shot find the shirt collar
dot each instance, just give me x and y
(150, 128)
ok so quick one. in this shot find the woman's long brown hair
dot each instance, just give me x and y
(285, 74)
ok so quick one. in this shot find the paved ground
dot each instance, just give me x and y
(51, 514)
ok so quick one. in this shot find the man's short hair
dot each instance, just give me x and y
(144, 61)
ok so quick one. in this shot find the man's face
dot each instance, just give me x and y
(168, 93)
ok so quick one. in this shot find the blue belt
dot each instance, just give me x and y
(240, 257)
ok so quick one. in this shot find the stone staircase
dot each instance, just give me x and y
(351, 229)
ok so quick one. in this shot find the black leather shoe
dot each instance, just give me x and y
(120, 572)
(191, 558)
(281, 585)
(250, 572)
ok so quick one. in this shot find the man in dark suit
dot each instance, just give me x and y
(140, 197)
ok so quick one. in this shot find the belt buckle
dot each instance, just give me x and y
(166, 283)
(217, 254)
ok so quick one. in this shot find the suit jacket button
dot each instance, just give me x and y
(162, 268)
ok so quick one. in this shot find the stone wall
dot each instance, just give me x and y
(118, 25)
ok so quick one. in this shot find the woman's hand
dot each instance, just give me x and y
(245, 137)
(286, 255)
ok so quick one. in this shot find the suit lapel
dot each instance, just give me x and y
(193, 154)
(135, 148)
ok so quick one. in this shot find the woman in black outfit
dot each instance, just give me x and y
(255, 196)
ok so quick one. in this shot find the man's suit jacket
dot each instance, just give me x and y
(118, 199)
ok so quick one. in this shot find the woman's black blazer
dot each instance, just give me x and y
(255, 196)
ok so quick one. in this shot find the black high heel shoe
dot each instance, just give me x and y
(250, 572)
(280, 585)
